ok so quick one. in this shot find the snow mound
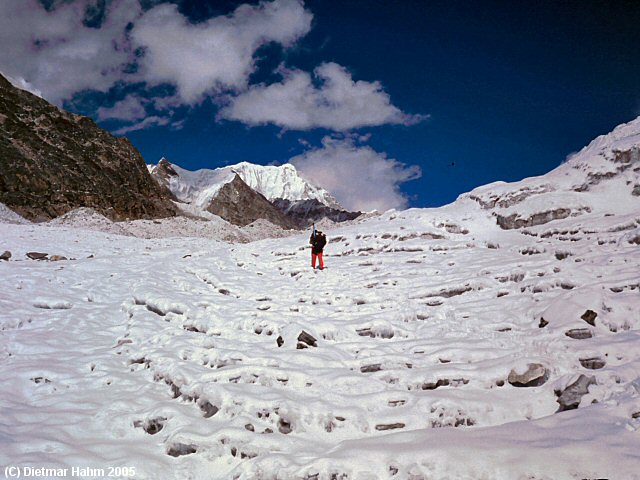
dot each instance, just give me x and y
(9, 216)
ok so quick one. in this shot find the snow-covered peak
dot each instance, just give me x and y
(201, 186)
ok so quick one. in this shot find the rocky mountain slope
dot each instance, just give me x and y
(300, 201)
(54, 161)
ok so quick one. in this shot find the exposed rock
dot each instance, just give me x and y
(376, 367)
(284, 427)
(54, 161)
(306, 340)
(590, 317)
(239, 204)
(389, 426)
(535, 375)
(569, 398)
(179, 449)
(37, 255)
(636, 191)
(306, 212)
(6, 255)
(208, 408)
(280, 341)
(513, 221)
(594, 363)
(579, 333)
(543, 323)
(57, 258)
(151, 426)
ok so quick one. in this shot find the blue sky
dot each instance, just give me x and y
(385, 103)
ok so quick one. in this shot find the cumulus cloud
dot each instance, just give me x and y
(55, 53)
(218, 54)
(339, 103)
(359, 177)
(58, 54)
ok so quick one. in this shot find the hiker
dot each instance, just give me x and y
(318, 240)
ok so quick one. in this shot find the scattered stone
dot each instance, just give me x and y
(635, 415)
(179, 449)
(6, 255)
(37, 255)
(579, 333)
(151, 426)
(569, 398)
(40, 380)
(543, 323)
(371, 368)
(280, 341)
(57, 258)
(306, 340)
(590, 317)
(284, 427)
(592, 363)
(250, 427)
(208, 408)
(389, 426)
(536, 375)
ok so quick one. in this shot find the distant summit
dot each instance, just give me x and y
(298, 202)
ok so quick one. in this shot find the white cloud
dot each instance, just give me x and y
(215, 55)
(56, 54)
(340, 103)
(130, 108)
(359, 177)
(146, 123)
(59, 56)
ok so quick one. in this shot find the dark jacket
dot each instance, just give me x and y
(317, 241)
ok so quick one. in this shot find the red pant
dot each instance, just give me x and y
(313, 260)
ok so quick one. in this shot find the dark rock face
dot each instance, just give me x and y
(239, 204)
(306, 212)
(54, 161)
(579, 333)
(569, 398)
(514, 221)
(306, 340)
(6, 255)
(590, 317)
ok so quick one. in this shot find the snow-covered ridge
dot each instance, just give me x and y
(602, 177)
(201, 186)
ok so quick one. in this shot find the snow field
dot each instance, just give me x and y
(163, 354)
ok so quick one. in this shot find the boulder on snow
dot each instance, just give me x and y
(306, 340)
(6, 255)
(590, 317)
(579, 333)
(535, 375)
(57, 258)
(37, 255)
(543, 323)
(570, 397)
(594, 363)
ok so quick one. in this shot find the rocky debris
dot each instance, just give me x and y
(179, 449)
(535, 375)
(240, 205)
(54, 161)
(306, 340)
(636, 190)
(579, 333)
(376, 367)
(389, 426)
(594, 363)
(37, 255)
(306, 212)
(590, 317)
(543, 323)
(57, 258)
(6, 255)
(279, 341)
(152, 425)
(635, 240)
(513, 221)
(570, 397)
(444, 382)
(284, 427)
(208, 408)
